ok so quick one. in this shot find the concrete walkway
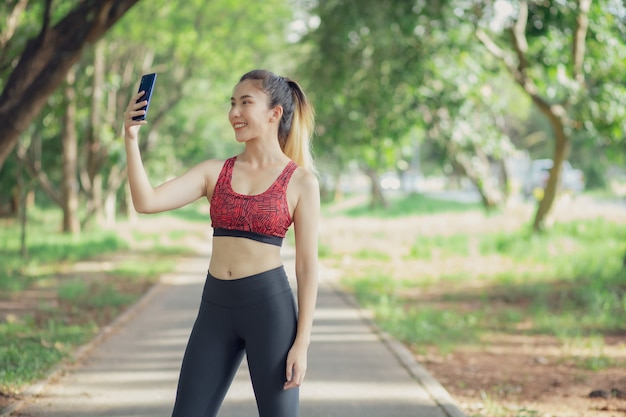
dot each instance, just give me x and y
(132, 368)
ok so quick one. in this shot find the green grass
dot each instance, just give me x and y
(416, 326)
(408, 205)
(426, 246)
(141, 270)
(372, 254)
(46, 245)
(577, 291)
(92, 295)
(29, 349)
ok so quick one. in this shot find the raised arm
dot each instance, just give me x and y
(172, 194)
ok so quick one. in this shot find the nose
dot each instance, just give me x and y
(233, 112)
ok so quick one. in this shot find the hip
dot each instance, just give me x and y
(248, 290)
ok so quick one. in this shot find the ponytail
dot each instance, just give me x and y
(298, 142)
(296, 126)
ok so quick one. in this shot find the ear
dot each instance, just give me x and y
(277, 113)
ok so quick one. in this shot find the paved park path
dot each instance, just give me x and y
(132, 369)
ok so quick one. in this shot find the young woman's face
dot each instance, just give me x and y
(250, 115)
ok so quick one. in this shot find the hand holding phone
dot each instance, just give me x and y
(147, 86)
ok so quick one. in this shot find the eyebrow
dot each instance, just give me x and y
(242, 97)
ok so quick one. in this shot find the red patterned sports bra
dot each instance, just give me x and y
(262, 217)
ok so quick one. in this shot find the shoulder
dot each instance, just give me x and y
(210, 167)
(305, 180)
(209, 170)
(306, 187)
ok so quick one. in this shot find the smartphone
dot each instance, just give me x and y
(147, 85)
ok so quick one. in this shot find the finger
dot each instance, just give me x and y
(129, 114)
(137, 105)
(297, 378)
(135, 110)
(289, 372)
(290, 384)
(137, 113)
(138, 95)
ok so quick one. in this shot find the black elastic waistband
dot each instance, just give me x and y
(245, 291)
(272, 240)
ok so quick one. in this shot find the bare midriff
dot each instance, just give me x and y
(236, 257)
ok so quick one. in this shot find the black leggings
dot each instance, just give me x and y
(255, 315)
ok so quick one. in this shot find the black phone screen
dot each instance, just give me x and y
(147, 85)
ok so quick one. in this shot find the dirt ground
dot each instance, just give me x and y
(524, 376)
(509, 375)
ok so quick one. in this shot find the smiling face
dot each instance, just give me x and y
(250, 115)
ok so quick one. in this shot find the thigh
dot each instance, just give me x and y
(211, 359)
(270, 332)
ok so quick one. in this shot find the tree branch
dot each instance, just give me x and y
(521, 77)
(46, 59)
(40, 176)
(518, 33)
(12, 23)
(578, 47)
(46, 22)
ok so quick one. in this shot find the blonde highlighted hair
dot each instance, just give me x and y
(295, 130)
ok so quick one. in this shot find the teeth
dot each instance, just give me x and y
(238, 125)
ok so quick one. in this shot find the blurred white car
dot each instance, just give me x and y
(572, 180)
(390, 181)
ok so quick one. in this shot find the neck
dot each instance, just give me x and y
(260, 153)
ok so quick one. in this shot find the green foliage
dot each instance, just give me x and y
(597, 122)
(199, 52)
(394, 77)
(366, 68)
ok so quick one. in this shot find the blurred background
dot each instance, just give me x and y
(474, 146)
(411, 96)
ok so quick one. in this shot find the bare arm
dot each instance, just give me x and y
(172, 194)
(306, 226)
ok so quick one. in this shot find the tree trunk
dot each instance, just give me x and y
(44, 63)
(21, 208)
(69, 185)
(557, 114)
(377, 196)
(110, 204)
(561, 151)
(488, 195)
(95, 151)
(477, 168)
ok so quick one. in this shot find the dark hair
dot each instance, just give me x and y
(298, 120)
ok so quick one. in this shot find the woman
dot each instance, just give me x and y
(247, 304)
